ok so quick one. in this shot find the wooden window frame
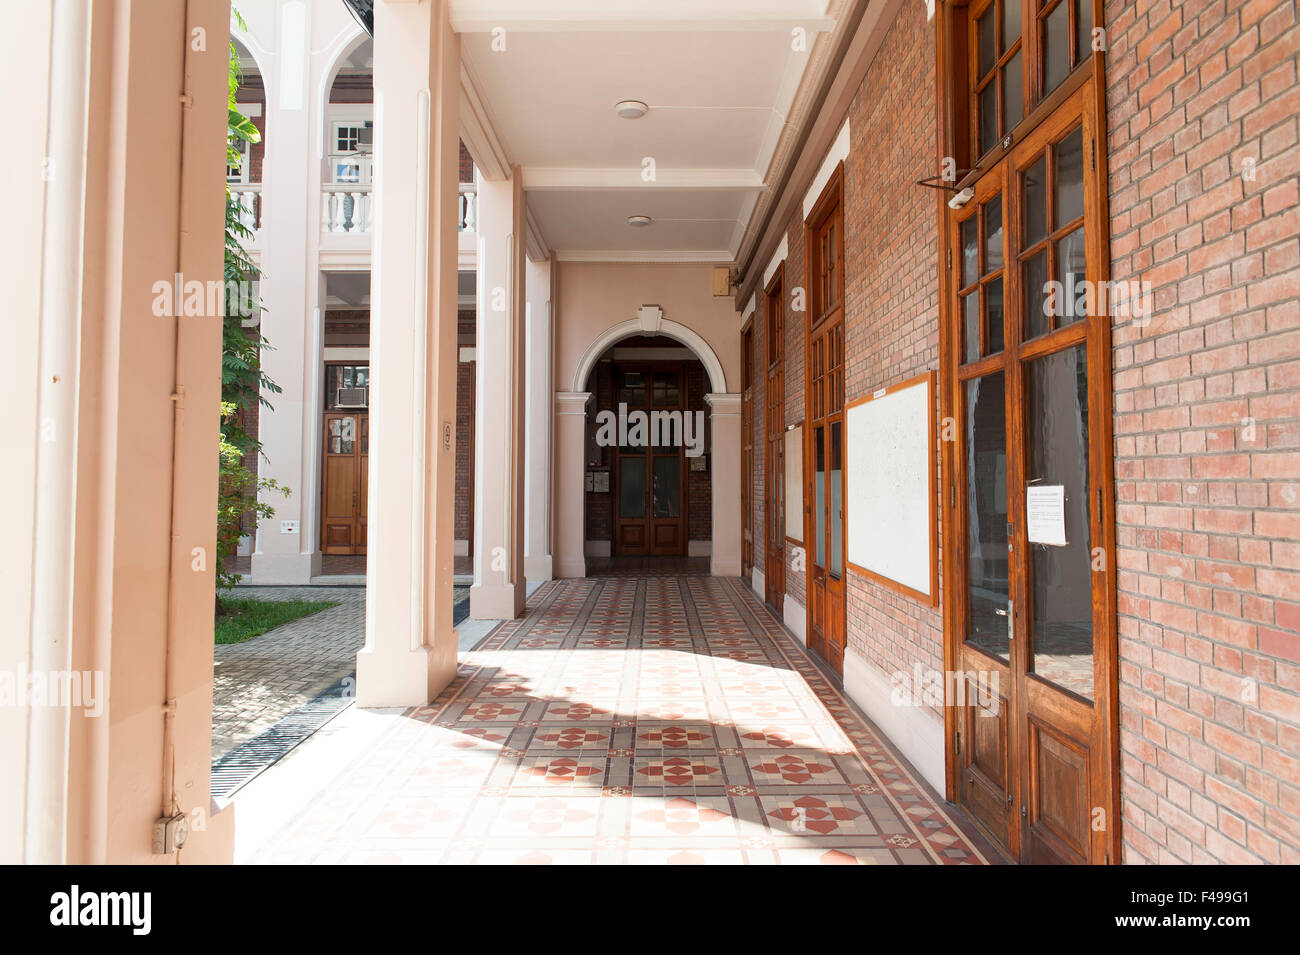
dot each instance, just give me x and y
(827, 216)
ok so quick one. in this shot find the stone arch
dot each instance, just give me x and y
(650, 321)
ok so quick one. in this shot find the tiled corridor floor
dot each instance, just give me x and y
(622, 720)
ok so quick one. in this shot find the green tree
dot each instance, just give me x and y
(243, 383)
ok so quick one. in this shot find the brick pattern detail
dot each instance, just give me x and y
(796, 581)
(466, 164)
(1202, 105)
(891, 294)
(699, 484)
(465, 385)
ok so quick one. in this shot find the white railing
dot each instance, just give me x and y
(248, 196)
(467, 213)
(349, 207)
(346, 207)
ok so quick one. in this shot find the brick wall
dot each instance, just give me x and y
(758, 477)
(464, 518)
(466, 164)
(796, 581)
(1207, 427)
(600, 507)
(891, 293)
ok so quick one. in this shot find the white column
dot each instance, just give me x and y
(569, 489)
(499, 587)
(724, 459)
(279, 557)
(537, 459)
(410, 650)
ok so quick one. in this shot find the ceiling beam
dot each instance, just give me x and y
(567, 179)
(478, 132)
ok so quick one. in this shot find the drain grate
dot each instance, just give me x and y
(243, 763)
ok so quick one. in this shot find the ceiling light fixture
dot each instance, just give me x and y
(639, 221)
(631, 109)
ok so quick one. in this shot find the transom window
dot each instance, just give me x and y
(826, 252)
(1012, 67)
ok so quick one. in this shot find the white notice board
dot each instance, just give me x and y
(794, 484)
(889, 508)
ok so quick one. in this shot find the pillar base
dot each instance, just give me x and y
(497, 601)
(284, 569)
(570, 567)
(538, 567)
(385, 678)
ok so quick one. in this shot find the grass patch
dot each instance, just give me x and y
(242, 618)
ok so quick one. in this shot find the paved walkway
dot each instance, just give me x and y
(263, 679)
(622, 720)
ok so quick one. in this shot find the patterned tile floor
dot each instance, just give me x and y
(621, 720)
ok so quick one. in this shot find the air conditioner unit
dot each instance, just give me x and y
(352, 398)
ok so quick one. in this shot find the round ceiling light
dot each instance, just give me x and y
(639, 221)
(631, 109)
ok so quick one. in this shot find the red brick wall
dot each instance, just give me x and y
(466, 164)
(891, 293)
(796, 582)
(600, 507)
(464, 518)
(1207, 518)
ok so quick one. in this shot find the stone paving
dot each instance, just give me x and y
(263, 679)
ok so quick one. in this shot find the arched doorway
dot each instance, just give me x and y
(702, 517)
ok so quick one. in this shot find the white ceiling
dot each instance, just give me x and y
(719, 76)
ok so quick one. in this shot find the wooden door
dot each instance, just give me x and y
(774, 448)
(344, 482)
(747, 453)
(650, 476)
(1035, 735)
(824, 434)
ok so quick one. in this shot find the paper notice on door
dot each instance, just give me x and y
(1046, 514)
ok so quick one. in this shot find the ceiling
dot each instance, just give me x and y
(721, 77)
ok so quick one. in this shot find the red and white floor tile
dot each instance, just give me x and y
(631, 720)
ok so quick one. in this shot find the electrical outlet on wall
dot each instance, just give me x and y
(288, 527)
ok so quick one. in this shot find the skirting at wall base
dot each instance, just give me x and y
(795, 617)
(914, 730)
(284, 569)
(758, 583)
(537, 567)
(699, 548)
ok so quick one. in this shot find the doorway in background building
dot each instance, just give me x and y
(345, 456)
(649, 481)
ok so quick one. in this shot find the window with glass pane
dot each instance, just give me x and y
(819, 493)
(1061, 576)
(981, 310)
(836, 503)
(988, 622)
(997, 72)
(631, 485)
(1065, 39)
(1053, 260)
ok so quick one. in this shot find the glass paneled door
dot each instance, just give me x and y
(1029, 354)
(650, 470)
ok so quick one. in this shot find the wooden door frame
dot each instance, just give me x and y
(324, 454)
(832, 195)
(952, 123)
(747, 454)
(774, 435)
(649, 367)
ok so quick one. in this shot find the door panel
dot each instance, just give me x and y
(649, 480)
(342, 488)
(1030, 585)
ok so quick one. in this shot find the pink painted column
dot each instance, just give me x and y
(499, 588)
(724, 458)
(568, 485)
(410, 649)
